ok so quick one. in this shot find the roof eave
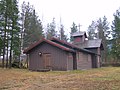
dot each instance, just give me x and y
(47, 41)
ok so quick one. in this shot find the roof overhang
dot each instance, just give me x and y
(49, 42)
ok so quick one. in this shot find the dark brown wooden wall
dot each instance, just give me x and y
(70, 61)
(97, 58)
(84, 60)
(59, 58)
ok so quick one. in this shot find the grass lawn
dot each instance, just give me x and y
(95, 79)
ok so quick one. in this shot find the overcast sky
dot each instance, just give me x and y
(80, 11)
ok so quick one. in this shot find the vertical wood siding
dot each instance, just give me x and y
(70, 61)
(96, 59)
(84, 60)
(58, 57)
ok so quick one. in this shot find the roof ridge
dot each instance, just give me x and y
(62, 41)
(72, 45)
(48, 41)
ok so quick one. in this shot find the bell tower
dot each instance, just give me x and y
(79, 37)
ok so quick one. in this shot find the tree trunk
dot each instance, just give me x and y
(10, 55)
(4, 41)
(7, 55)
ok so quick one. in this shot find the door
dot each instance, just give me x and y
(47, 60)
(94, 62)
(74, 61)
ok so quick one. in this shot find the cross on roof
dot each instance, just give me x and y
(79, 27)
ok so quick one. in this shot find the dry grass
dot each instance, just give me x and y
(94, 79)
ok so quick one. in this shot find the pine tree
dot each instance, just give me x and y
(3, 22)
(36, 25)
(103, 33)
(103, 28)
(62, 35)
(99, 29)
(116, 36)
(92, 31)
(51, 32)
(2, 26)
(73, 30)
(10, 28)
(32, 26)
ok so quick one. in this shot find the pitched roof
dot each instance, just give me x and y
(91, 43)
(63, 42)
(49, 42)
(71, 45)
(80, 33)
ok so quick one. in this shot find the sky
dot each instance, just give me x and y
(81, 12)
